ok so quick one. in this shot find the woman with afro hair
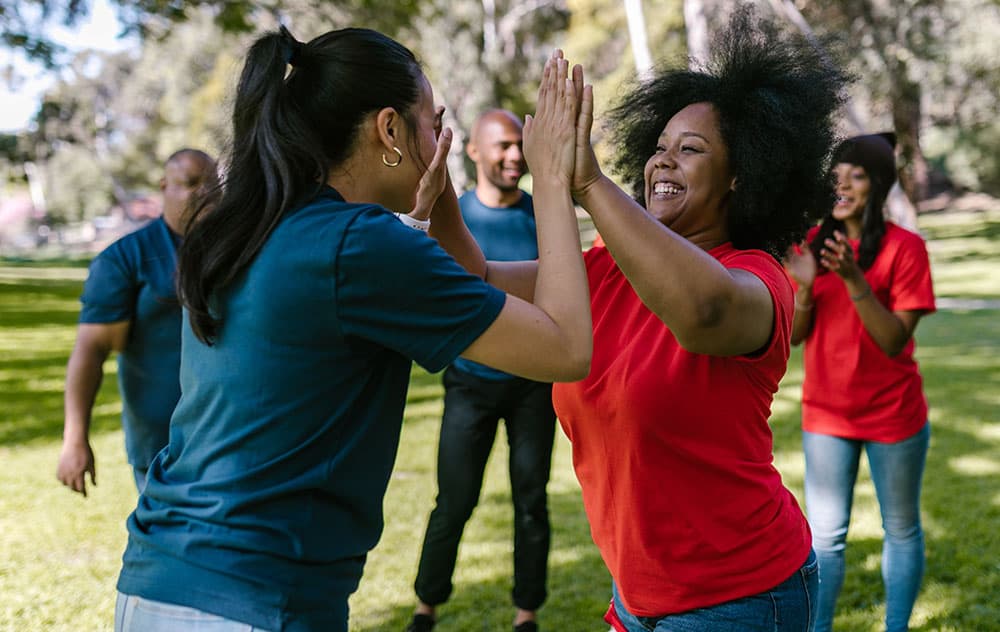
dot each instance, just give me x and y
(692, 312)
(862, 284)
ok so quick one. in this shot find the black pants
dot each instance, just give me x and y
(472, 410)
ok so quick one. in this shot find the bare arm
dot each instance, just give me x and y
(802, 321)
(801, 266)
(84, 373)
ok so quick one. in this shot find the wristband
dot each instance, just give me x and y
(422, 225)
(865, 294)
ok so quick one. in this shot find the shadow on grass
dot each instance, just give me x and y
(38, 321)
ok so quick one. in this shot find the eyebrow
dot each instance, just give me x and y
(688, 135)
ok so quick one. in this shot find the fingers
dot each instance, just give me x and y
(438, 120)
(443, 147)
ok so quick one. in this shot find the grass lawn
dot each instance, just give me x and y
(60, 553)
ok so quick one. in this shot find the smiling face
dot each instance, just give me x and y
(853, 188)
(496, 149)
(688, 179)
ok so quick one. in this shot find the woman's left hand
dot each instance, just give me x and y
(434, 180)
(550, 136)
(838, 256)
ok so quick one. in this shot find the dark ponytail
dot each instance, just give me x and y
(288, 132)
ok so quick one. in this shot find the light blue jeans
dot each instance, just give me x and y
(788, 607)
(897, 470)
(135, 614)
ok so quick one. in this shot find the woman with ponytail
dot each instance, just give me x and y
(310, 286)
(862, 284)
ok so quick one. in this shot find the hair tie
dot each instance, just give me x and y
(290, 47)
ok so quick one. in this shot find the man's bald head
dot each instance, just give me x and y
(186, 172)
(495, 147)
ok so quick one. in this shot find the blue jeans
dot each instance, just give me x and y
(135, 614)
(788, 607)
(897, 471)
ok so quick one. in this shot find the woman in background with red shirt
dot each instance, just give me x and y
(862, 285)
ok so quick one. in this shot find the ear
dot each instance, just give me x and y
(732, 184)
(389, 128)
(163, 184)
(472, 151)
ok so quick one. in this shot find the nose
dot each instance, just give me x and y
(664, 160)
(514, 154)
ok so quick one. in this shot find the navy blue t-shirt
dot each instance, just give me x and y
(269, 494)
(504, 233)
(133, 280)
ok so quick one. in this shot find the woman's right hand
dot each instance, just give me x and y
(800, 264)
(586, 171)
(434, 180)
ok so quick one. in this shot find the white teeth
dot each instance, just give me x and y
(666, 187)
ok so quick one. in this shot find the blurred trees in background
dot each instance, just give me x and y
(925, 68)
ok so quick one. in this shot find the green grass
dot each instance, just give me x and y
(60, 553)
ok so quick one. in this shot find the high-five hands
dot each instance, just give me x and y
(550, 135)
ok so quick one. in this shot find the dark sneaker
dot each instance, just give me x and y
(422, 623)
(527, 626)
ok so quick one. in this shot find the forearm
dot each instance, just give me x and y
(84, 374)
(561, 286)
(803, 318)
(884, 327)
(448, 227)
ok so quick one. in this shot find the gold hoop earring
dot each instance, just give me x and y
(398, 160)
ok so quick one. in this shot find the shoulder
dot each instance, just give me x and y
(900, 240)
(749, 259)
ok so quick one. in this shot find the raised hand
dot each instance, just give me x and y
(434, 180)
(800, 264)
(838, 256)
(586, 170)
(550, 135)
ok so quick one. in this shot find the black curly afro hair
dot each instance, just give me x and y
(776, 95)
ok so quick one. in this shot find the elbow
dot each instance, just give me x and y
(577, 364)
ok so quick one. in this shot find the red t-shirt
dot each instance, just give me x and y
(852, 389)
(674, 453)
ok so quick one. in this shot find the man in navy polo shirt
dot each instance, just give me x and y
(130, 306)
(501, 218)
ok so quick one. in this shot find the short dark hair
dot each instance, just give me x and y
(288, 132)
(776, 95)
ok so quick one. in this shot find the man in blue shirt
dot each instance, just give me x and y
(501, 218)
(130, 306)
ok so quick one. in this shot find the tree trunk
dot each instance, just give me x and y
(637, 35)
(913, 172)
(696, 28)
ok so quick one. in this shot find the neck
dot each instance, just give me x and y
(853, 228)
(174, 224)
(492, 196)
